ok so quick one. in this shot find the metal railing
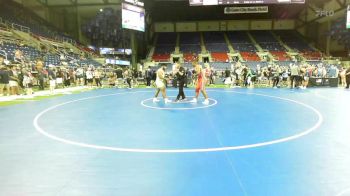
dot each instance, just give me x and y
(3, 53)
(20, 27)
(14, 25)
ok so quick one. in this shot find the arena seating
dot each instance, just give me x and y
(190, 42)
(250, 56)
(164, 47)
(189, 57)
(161, 57)
(215, 42)
(14, 13)
(241, 42)
(269, 43)
(252, 65)
(284, 63)
(220, 65)
(28, 51)
(219, 57)
(312, 55)
(294, 41)
(238, 37)
(280, 55)
(51, 59)
(190, 48)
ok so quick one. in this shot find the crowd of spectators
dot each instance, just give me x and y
(273, 75)
(293, 76)
(18, 77)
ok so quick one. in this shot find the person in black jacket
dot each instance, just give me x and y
(347, 76)
(148, 76)
(181, 78)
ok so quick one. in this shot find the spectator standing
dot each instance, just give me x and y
(333, 71)
(120, 79)
(14, 88)
(294, 76)
(28, 83)
(127, 76)
(342, 76)
(4, 80)
(52, 78)
(347, 74)
(135, 75)
(148, 76)
(276, 72)
(42, 74)
(228, 79)
(89, 77)
(59, 77)
(66, 78)
(79, 76)
(97, 76)
(249, 76)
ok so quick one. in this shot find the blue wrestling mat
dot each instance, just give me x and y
(118, 142)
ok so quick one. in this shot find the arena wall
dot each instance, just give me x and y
(186, 27)
(225, 25)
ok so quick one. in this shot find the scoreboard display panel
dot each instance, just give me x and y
(231, 2)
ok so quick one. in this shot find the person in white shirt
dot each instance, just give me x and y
(89, 77)
(294, 75)
(97, 76)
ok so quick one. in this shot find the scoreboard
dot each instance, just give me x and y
(231, 2)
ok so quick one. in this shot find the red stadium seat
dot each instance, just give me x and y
(161, 57)
(189, 57)
(280, 55)
(250, 56)
(219, 56)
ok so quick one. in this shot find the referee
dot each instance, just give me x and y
(181, 78)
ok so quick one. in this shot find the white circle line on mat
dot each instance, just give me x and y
(346, 191)
(214, 102)
(193, 150)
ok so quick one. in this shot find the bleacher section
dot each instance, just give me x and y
(216, 45)
(165, 45)
(190, 45)
(190, 42)
(32, 28)
(215, 42)
(219, 57)
(250, 56)
(240, 42)
(22, 18)
(268, 43)
(189, 57)
(280, 55)
(28, 51)
(294, 41)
